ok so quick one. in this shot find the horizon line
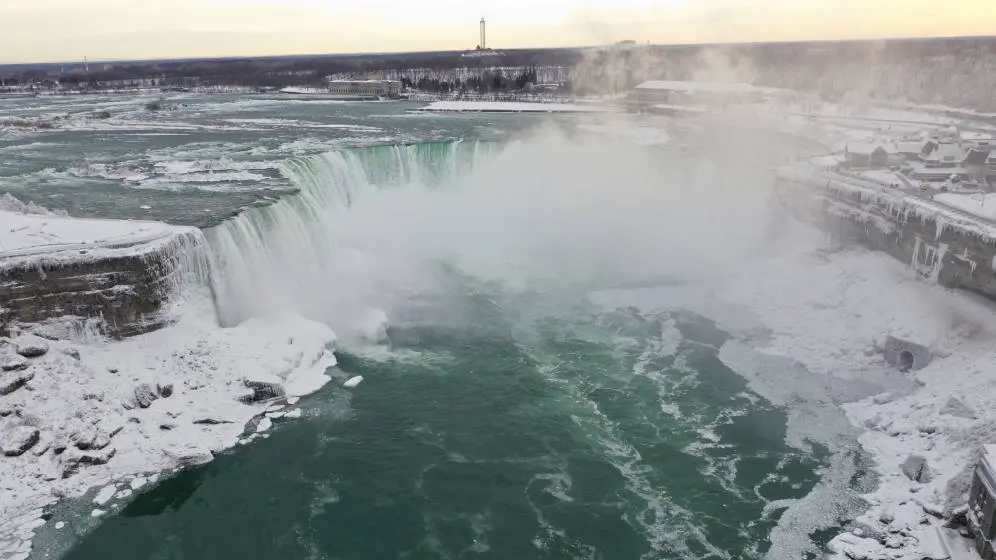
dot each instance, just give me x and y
(209, 58)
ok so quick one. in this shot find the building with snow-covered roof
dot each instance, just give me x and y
(868, 154)
(943, 154)
(910, 149)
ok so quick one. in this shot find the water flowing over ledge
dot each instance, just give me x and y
(267, 258)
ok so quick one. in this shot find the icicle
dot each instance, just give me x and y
(941, 224)
(938, 264)
(916, 254)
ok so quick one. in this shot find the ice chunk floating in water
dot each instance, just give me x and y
(353, 381)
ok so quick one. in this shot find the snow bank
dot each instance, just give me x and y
(25, 235)
(511, 107)
(983, 206)
(109, 414)
(830, 311)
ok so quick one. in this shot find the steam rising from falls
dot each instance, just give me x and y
(373, 228)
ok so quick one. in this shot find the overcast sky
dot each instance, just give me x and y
(65, 30)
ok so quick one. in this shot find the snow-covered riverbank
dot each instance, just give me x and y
(101, 412)
(82, 413)
(830, 309)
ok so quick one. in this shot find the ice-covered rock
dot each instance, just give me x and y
(165, 390)
(31, 346)
(210, 420)
(296, 413)
(932, 509)
(916, 469)
(190, 456)
(262, 391)
(8, 408)
(90, 437)
(145, 395)
(11, 381)
(72, 459)
(43, 445)
(18, 440)
(955, 407)
(13, 363)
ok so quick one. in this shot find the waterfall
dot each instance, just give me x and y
(269, 259)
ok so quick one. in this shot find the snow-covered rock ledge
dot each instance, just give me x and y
(116, 275)
(113, 414)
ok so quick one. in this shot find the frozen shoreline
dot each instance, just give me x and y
(830, 309)
(91, 406)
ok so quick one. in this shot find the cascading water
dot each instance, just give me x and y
(369, 226)
(267, 259)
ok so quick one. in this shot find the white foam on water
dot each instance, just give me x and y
(298, 124)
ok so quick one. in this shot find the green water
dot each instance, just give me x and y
(512, 429)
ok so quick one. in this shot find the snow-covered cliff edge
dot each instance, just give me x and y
(117, 277)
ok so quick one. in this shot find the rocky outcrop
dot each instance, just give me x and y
(122, 290)
(916, 469)
(261, 391)
(944, 246)
(11, 381)
(18, 440)
(31, 347)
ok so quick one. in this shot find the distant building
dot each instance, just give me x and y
(367, 89)
(982, 504)
(911, 149)
(868, 155)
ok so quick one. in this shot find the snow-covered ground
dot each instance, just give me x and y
(831, 312)
(511, 107)
(982, 205)
(23, 234)
(108, 413)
